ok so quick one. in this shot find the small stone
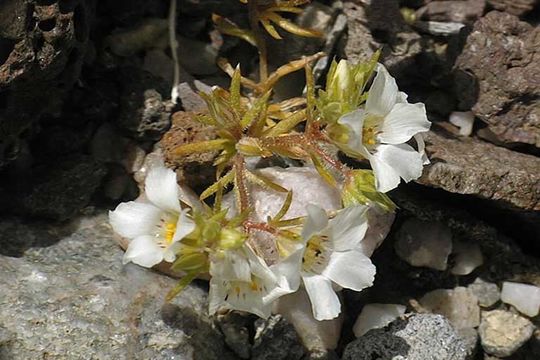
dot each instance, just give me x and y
(317, 336)
(459, 305)
(467, 11)
(202, 64)
(470, 340)
(418, 337)
(438, 28)
(502, 333)
(375, 316)
(524, 297)
(422, 243)
(488, 294)
(464, 120)
(467, 257)
(276, 339)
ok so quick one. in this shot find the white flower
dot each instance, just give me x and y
(333, 256)
(241, 280)
(379, 132)
(154, 227)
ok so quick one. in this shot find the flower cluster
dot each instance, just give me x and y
(254, 252)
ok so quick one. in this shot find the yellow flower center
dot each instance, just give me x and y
(166, 230)
(315, 253)
(368, 135)
(370, 129)
(170, 229)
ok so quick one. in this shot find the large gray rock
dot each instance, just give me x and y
(419, 337)
(497, 75)
(69, 297)
(471, 166)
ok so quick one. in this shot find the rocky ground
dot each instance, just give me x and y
(85, 108)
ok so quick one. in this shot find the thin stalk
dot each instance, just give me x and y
(253, 14)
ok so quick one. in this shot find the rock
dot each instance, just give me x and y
(317, 336)
(276, 339)
(196, 170)
(376, 316)
(202, 64)
(59, 191)
(236, 327)
(418, 337)
(470, 340)
(467, 11)
(437, 28)
(144, 114)
(496, 76)
(148, 34)
(459, 306)
(471, 166)
(42, 47)
(488, 294)
(524, 297)
(375, 24)
(153, 159)
(503, 333)
(514, 7)
(422, 243)
(466, 258)
(464, 120)
(69, 296)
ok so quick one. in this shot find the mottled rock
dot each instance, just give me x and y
(496, 76)
(459, 306)
(71, 298)
(467, 11)
(470, 340)
(276, 339)
(514, 7)
(375, 24)
(60, 190)
(419, 337)
(488, 294)
(471, 166)
(236, 328)
(197, 169)
(503, 333)
(421, 243)
(144, 112)
(524, 297)
(466, 258)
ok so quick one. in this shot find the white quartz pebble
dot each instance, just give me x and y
(375, 316)
(467, 258)
(464, 121)
(525, 298)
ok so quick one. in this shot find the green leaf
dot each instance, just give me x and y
(264, 182)
(284, 208)
(220, 184)
(228, 27)
(185, 281)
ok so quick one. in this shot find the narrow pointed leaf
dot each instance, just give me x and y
(200, 147)
(284, 208)
(221, 183)
(185, 281)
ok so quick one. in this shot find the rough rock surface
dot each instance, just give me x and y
(195, 170)
(497, 75)
(458, 11)
(470, 166)
(42, 47)
(276, 339)
(515, 7)
(459, 306)
(69, 297)
(419, 337)
(373, 24)
(502, 333)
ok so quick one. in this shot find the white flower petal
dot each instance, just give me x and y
(236, 296)
(354, 121)
(189, 197)
(391, 162)
(234, 265)
(287, 271)
(184, 226)
(403, 121)
(143, 251)
(324, 300)
(383, 93)
(350, 269)
(316, 221)
(348, 227)
(421, 147)
(401, 97)
(133, 219)
(162, 189)
(169, 254)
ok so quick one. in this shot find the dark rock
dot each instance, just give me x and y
(418, 337)
(496, 76)
(276, 339)
(196, 170)
(378, 24)
(467, 11)
(42, 46)
(471, 166)
(236, 328)
(514, 7)
(72, 298)
(59, 191)
(144, 113)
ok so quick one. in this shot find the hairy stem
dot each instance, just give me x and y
(240, 184)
